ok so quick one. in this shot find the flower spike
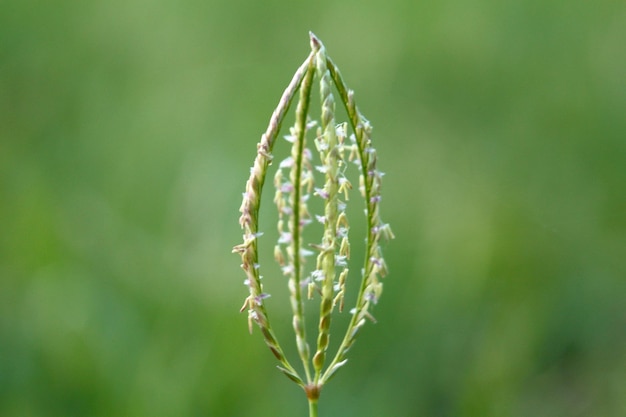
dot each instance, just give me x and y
(320, 173)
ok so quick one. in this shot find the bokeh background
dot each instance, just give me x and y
(127, 129)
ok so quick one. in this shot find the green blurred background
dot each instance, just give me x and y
(127, 129)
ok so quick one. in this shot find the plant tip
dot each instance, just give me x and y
(315, 42)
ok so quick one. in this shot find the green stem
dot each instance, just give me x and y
(296, 229)
(355, 120)
(329, 157)
(312, 407)
(249, 221)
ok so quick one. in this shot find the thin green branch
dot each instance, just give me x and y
(329, 155)
(360, 126)
(249, 221)
(298, 205)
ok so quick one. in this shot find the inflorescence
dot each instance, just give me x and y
(336, 146)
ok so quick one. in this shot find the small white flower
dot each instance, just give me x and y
(318, 275)
(341, 261)
(285, 237)
(286, 163)
(321, 145)
(322, 193)
(259, 298)
(340, 129)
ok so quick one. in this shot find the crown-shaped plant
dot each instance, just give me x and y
(296, 181)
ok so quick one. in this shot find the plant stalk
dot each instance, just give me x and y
(312, 407)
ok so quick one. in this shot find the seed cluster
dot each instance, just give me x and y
(296, 182)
